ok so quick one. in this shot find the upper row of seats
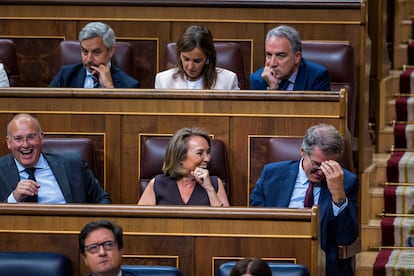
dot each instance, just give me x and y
(337, 57)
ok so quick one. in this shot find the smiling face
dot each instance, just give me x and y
(104, 261)
(281, 58)
(94, 52)
(24, 140)
(198, 154)
(193, 63)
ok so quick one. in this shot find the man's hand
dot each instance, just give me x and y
(25, 188)
(270, 77)
(104, 74)
(334, 175)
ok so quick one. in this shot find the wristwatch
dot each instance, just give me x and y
(340, 203)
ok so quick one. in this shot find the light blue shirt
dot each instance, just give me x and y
(297, 200)
(292, 80)
(49, 191)
(88, 80)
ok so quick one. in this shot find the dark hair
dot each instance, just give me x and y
(88, 228)
(177, 150)
(199, 37)
(253, 266)
(326, 137)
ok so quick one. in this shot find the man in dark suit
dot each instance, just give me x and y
(97, 42)
(334, 189)
(28, 175)
(101, 244)
(285, 69)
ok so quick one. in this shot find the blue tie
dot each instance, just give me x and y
(32, 198)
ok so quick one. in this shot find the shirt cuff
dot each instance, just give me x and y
(337, 210)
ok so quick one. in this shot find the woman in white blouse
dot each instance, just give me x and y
(196, 68)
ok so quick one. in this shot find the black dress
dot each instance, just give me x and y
(167, 193)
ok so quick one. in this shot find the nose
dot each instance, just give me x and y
(102, 250)
(273, 61)
(89, 57)
(25, 142)
(207, 157)
(190, 65)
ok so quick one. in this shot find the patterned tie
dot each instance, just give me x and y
(31, 171)
(283, 85)
(309, 195)
(95, 81)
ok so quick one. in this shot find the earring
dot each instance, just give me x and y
(207, 61)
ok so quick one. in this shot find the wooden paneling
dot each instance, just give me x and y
(149, 26)
(119, 118)
(196, 239)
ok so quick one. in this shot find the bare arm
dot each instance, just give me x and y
(148, 196)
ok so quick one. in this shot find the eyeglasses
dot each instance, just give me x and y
(29, 138)
(316, 166)
(94, 247)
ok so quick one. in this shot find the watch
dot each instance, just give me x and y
(341, 202)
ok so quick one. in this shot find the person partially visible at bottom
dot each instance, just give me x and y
(285, 68)
(97, 41)
(316, 179)
(251, 267)
(101, 244)
(186, 179)
(29, 175)
(196, 68)
(4, 79)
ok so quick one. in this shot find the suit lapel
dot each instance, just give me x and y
(79, 80)
(300, 78)
(59, 171)
(11, 173)
(289, 184)
(325, 200)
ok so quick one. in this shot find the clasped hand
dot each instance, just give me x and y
(25, 188)
(202, 176)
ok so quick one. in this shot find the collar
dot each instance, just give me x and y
(302, 177)
(292, 78)
(41, 164)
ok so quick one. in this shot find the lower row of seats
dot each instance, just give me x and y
(56, 264)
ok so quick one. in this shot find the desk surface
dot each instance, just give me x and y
(195, 239)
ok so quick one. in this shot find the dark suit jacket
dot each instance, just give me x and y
(311, 76)
(274, 188)
(73, 75)
(76, 181)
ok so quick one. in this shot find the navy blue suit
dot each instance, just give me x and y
(73, 76)
(274, 188)
(76, 181)
(311, 76)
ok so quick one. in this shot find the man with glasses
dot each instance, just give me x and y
(317, 178)
(101, 244)
(28, 175)
(285, 69)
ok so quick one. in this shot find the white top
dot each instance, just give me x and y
(4, 80)
(226, 80)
